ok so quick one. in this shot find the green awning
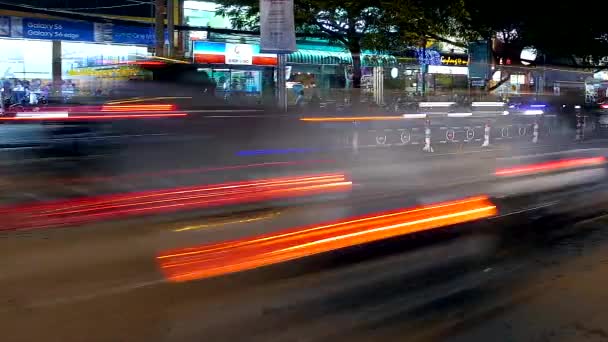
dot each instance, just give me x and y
(319, 57)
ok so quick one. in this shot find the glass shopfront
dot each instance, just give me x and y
(25, 60)
(28, 64)
(98, 68)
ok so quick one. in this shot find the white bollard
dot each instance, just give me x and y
(355, 142)
(427, 138)
(486, 136)
(535, 134)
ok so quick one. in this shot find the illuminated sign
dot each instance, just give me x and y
(449, 70)
(205, 52)
(454, 61)
(240, 54)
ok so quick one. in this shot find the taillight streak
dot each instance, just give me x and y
(94, 208)
(138, 108)
(248, 253)
(550, 166)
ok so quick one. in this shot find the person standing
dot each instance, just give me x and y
(300, 99)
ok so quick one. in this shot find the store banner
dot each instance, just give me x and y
(205, 52)
(138, 35)
(33, 28)
(454, 60)
(277, 26)
(239, 54)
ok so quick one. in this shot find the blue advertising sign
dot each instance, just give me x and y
(137, 35)
(479, 60)
(58, 30)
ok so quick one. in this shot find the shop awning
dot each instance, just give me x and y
(318, 57)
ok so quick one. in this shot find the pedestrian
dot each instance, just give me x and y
(300, 99)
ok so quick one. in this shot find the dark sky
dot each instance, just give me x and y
(140, 8)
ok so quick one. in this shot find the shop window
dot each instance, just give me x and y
(26, 59)
(98, 68)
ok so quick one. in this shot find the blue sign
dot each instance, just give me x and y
(479, 60)
(137, 35)
(58, 30)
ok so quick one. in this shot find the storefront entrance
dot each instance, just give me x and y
(235, 80)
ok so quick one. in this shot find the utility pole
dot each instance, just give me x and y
(171, 27)
(160, 27)
(282, 81)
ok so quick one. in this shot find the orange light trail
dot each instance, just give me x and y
(551, 166)
(239, 255)
(352, 118)
(138, 108)
(91, 209)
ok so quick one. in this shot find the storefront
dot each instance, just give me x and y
(449, 75)
(235, 67)
(30, 45)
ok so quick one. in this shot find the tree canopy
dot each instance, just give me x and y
(380, 25)
(572, 32)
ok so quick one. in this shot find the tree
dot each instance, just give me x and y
(571, 31)
(379, 25)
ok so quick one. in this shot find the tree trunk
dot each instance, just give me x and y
(356, 55)
(355, 51)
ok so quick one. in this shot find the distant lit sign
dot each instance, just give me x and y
(139, 35)
(394, 72)
(240, 54)
(199, 35)
(454, 61)
(449, 70)
(206, 52)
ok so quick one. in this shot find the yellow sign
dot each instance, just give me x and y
(118, 72)
(447, 60)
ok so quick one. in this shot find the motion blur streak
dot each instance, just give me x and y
(229, 222)
(95, 117)
(352, 118)
(249, 253)
(92, 209)
(551, 166)
(142, 99)
(138, 108)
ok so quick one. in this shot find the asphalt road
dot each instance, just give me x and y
(527, 275)
(534, 273)
(535, 283)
